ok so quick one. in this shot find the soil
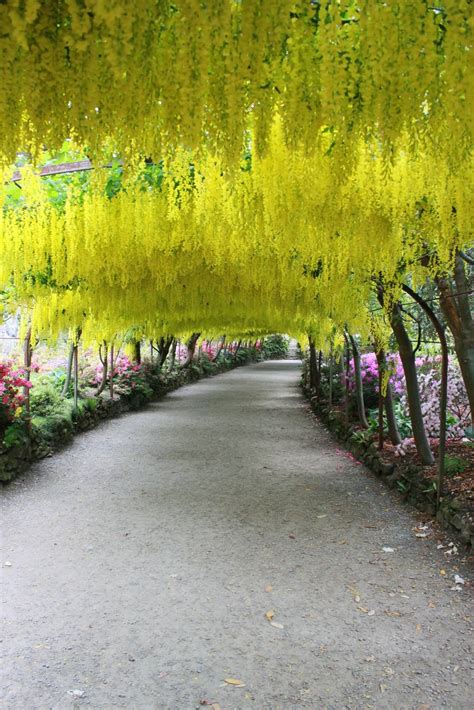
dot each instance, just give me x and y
(220, 534)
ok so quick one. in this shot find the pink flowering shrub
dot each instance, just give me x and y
(124, 369)
(11, 399)
(429, 380)
(208, 349)
(370, 373)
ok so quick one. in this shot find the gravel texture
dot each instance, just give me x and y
(138, 565)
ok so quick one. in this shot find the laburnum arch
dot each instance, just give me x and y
(310, 150)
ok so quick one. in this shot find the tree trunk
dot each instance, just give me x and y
(313, 366)
(460, 320)
(105, 365)
(191, 346)
(237, 349)
(443, 399)
(345, 375)
(359, 390)
(219, 349)
(112, 364)
(381, 426)
(319, 373)
(76, 373)
(163, 347)
(67, 381)
(71, 361)
(137, 352)
(173, 355)
(27, 357)
(330, 377)
(392, 425)
(413, 393)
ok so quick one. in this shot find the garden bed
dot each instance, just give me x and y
(415, 483)
(49, 433)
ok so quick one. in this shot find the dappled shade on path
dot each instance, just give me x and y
(146, 556)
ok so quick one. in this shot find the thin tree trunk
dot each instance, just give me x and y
(219, 349)
(27, 357)
(460, 320)
(191, 345)
(237, 349)
(345, 375)
(392, 425)
(105, 365)
(137, 352)
(76, 373)
(380, 422)
(330, 377)
(443, 399)
(173, 355)
(112, 364)
(319, 373)
(68, 379)
(163, 347)
(413, 393)
(70, 362)
(313, 367)
(359, 389)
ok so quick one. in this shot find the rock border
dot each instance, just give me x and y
(406, 478)
(16, 460)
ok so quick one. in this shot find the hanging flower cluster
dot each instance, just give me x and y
(308, 149)
(289, 244)
(147, 76)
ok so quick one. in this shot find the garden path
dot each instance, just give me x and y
(144, 557)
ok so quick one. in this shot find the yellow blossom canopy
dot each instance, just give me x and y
(147, 75)
(308, 149)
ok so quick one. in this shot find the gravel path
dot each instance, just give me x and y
(139, 563)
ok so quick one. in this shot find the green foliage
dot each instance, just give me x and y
(275, 347)
(469, 433)
(15, 435)
(45, 398)
(403, 486)
(454, 465)
(48, 431)
(206, 365)
(402, 417)
(363, 436)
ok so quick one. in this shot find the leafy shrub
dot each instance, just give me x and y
(45, 398)
(15, 435)
(206, 365)
(401, 415)
(53, 428)
(275, 347)
(454, 465)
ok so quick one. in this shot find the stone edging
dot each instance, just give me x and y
(17, 459)
(406, 478)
